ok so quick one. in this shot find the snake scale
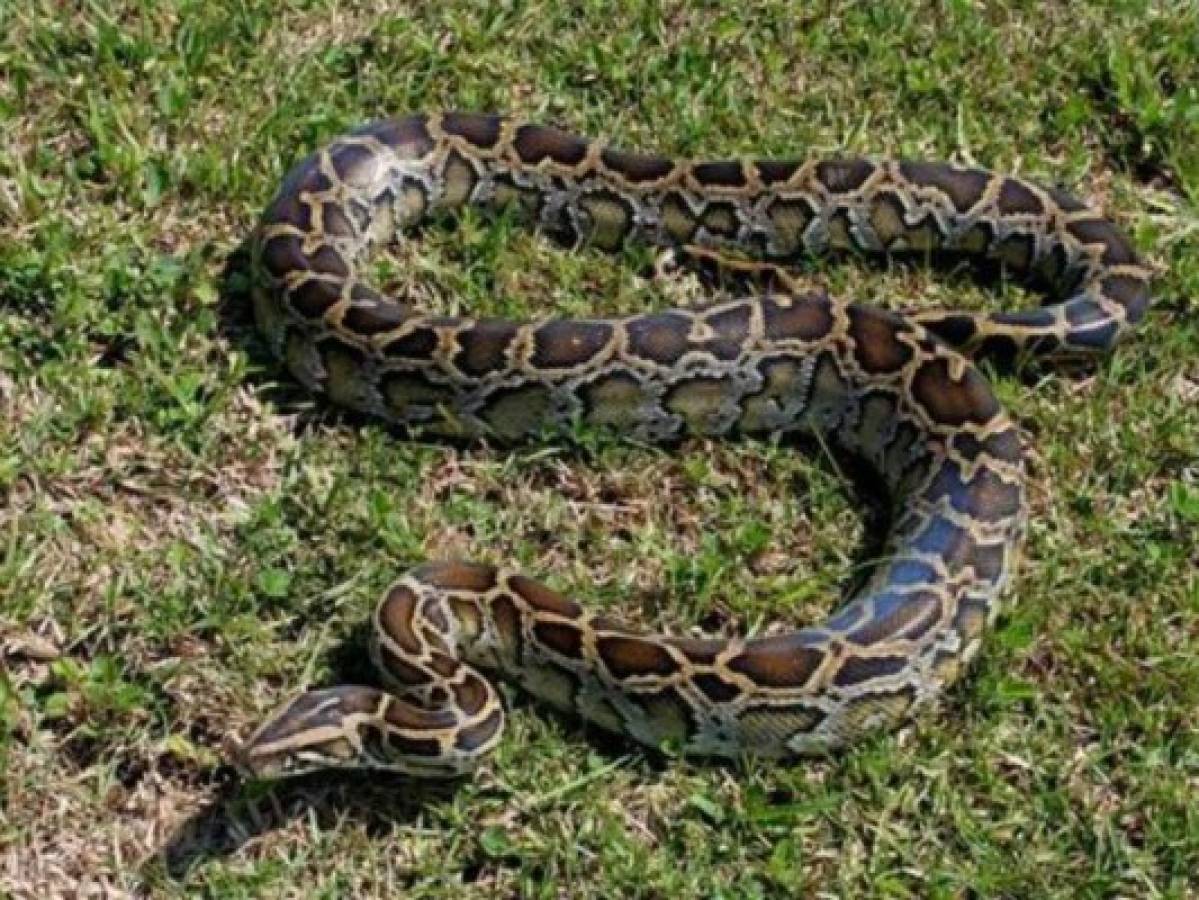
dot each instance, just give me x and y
(898, 391)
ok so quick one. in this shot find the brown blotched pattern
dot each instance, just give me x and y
(872, 383)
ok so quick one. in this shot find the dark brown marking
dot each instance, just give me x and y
(399, 668)
(951, 543)
(807, 318)
(991, 497)
(312, 297)
(1029, 318)
(964, 187)
(290, 210)
(661, 338)
(408, 137)
(535, 143)
(986, 496)
(507, 624)
(541, 598)
(720, 173)
(444, 665)
(1117, 251)
(473, 737)
(627, 657)
(732, 323)
(731, 327)
(956, 329)
(405, 715)
(471, 694)
(457, 576)
(951, 402)
(334, 221)
(699, 651)
(304, 177)
(1130, 292)
(1102, 337)
(419, 343)
(484, 346)
(402, 744)
(856, 669)
(843, 175)
(563, 344)
(395, 618)
(1016, 198)
(284, 253)
(875, 333)
(774, 171)
(1003, 446)
(481, 130)
(373, 317)
(909, 611)
(716, 688)
(784, 661)
(924, 619)
(348, 159)
(560, 637)
(328, 261)
(1066, 201)
(637, 167)
(1082, 311)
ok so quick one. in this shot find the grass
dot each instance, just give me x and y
(185, 537)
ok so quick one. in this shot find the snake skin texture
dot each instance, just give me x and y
(900, 392)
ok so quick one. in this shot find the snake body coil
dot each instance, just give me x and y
(897, 391)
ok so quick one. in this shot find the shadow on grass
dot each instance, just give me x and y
(243, 811)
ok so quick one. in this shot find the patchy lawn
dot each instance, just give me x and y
(185, 537)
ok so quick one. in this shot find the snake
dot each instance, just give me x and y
(901, 391)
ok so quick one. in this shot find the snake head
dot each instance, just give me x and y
(315, 730)
(351, 727)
